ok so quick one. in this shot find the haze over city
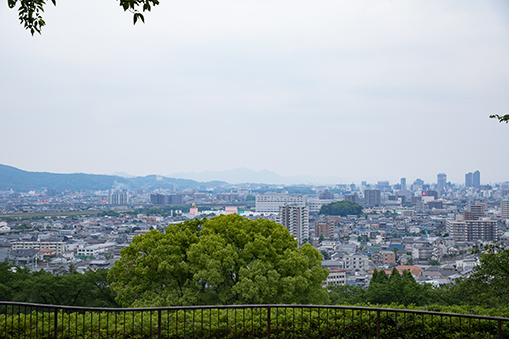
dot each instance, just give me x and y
(359, 90)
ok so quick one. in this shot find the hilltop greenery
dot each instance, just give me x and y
(23, 181)
(342, 208)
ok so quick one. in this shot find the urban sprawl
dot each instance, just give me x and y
(426, 228)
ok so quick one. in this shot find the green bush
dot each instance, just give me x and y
(285, 322)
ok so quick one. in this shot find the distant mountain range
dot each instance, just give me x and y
(23, 181)
(245, 175)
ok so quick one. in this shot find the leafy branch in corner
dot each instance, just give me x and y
(30, 11)
(501, 118)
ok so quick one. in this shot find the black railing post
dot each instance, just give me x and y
(55, 324)
(499, 329)
(378, 324)
(268, 322)
(159, 324)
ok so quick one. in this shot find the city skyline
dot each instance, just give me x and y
(365, 90)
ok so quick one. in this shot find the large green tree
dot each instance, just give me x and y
(30, 11)
(223, 260)
(488, 285)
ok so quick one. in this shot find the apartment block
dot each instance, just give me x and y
(504, 208)
(270, 202)
(471, 230)
(356, 262)
(118, 198)
(59, 246)
(372, 197)
(325, 228)
(336, 276)
(296, 221)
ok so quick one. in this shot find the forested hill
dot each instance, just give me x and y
(22, 181)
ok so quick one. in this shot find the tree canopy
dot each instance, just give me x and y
(342, 208)
(90, 289)
(488, 285)
(30, 11)
(397, 288)
(223, 260)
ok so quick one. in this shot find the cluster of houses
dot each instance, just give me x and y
(356, 246)
(419, 244)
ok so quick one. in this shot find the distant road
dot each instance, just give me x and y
(49, 214)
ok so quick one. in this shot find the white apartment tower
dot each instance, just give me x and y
(296, 221)
(118, 198)
(270, 202)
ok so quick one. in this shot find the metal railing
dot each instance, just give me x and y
(24, 320)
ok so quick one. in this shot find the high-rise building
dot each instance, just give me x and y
(403, 184)
(163, 199)
(471, 230)
(372, 197)
(296, 221)
(504, 207)
(469, 179)
(326, 195)
(353, 197)
(158, 199)
(441, 180)
(118, 198)
(383, 185)
(474, 212)
(477, 179)
(270, 202)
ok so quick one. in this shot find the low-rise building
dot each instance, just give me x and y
(336, 276)
(59, 246)
(356, 262)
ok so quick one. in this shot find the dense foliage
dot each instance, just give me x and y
(223, 260)
(400, 289)
(90, 289)
(488, 285)
(342, 208)
(285, 322)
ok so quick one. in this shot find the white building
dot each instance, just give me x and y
(59, 246)
(270, 202)
(86, 251)
(296, 221)
(356, 262)
(316, 204)
(4, 227)
(118, 198)
(336, 276)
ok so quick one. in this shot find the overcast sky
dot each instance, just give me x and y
(364, 90)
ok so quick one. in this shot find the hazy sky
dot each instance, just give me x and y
(373, 90)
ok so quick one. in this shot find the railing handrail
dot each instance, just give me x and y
(249, 306)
